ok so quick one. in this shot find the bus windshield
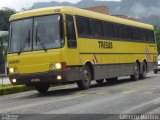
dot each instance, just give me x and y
(38, 33)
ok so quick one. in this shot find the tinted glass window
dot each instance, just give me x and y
(103, 29)
(151, 36)
(119, 31)
(143, 33)
(83, 26)
(96, 28)
(71, 35)
(138, 34)
(147, 35)
(109, 30)
(129, 32)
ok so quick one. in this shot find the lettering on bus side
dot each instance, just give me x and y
(105, 45)
(14, 62)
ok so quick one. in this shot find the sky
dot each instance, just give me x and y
(19, 4)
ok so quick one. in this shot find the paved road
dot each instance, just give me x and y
(123, 97)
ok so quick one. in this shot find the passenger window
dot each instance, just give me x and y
(151, 36)
(96, 28)
(129, 33)
(143, 35)
(147, 35)
(71, 35)
(138, 34)
(83, 26)
(109, 30)
(119, 31)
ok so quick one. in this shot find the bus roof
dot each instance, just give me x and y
(80, 12)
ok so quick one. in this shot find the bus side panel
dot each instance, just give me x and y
(118, 61)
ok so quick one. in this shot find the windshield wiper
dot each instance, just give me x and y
(41, 42)
(27, 40)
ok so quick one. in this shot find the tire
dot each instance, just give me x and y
(155, 72)
(136, 74)
(86, 79)
(112, 80)
(100, 81)
(144, 71)
(42, 88)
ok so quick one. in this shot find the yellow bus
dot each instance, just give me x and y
(72, 45)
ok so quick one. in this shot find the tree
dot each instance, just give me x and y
(5, 14)
(4, 40)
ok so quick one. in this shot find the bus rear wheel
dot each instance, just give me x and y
(42, 88)
(86, 79)
(144, 71)
(136, 71)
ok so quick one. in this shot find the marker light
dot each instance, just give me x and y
(11, 70)
(58, 65)
(52, 67)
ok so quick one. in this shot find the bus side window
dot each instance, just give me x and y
(151, 36)
(71, 36)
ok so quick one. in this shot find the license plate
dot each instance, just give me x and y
(35, 80)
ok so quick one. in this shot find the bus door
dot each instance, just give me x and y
(72, 51)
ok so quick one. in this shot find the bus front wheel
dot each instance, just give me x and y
(136, 71)
(86, 79)
(42, 88)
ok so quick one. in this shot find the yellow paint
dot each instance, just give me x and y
(135, 51)
(77, 11)
(40, 61)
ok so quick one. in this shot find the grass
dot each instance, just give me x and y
(5, 86)
(10, 89)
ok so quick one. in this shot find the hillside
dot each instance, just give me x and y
(146, 10)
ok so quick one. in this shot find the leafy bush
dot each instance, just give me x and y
(4, 90)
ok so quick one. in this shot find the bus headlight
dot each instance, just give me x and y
(58, 66)
(11, 70)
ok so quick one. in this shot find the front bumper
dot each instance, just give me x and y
(67, 75)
